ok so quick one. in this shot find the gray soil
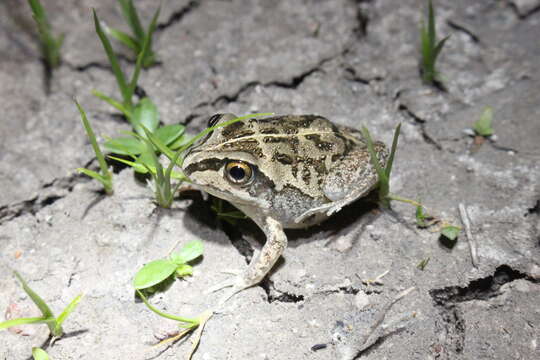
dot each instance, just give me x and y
(354, 62)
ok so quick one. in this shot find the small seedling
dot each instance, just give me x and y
(423, 219)
(135, 41)
(482, 127)
(54, 323)
(145, 112)
(385, 197)
(50, 44)
(384, 174)
(450, 232)
(430, 49)
(39, 354)
(157, 271)
(422, 264)
(105, 177)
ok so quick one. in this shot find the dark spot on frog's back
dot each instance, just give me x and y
(283, 158)
(230, 131)
(247, 145)
(319, 142)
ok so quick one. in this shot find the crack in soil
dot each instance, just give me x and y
(35, 204)
(463, 29)
(526, 14)
(178, 15)
(292, 83)
(421, 123)
(445, 299)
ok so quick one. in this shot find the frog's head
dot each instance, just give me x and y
(225, 164)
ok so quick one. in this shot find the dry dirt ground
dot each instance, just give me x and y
(355, 62)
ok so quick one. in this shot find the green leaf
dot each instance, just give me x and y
(115, 104)
(420, 216)
(384, 186)
(40, 303)
(136, 166)
(423, 263)
(130, 14)
(153, 273)
(158, 144)
(39, 354)
(145, 114)
(190, 251)
(113, 60)
(142, 55)
(105, 177)
(181, 141)
(92, 174)
(22, 321)
(483, 125)
(450, 232)
(125, 146)
(68, 310)
(169, 133)
(124, 38)
(184, 270)
(439, 47)
(390, 162)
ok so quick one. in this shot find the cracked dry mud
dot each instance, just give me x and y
(355, 62)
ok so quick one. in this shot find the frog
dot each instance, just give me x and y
(283, 172)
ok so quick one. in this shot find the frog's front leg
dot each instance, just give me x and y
(260, 265)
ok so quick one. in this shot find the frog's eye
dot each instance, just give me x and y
(238, 172)
(214, 119)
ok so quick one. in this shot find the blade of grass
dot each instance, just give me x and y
(132, 17)
(124, 38)
(120, 78)
(22, 321)
(123, 109)
(142, 54)
(105, 173)
(68, 310)
(40, 303)
(393, 149)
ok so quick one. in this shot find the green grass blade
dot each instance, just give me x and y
(120, 78)
(117, 105)
(136, 166)
(432, 35)
(132, 18)
(145, 49)
(439, 47)
(165, 315)
(393, 149)
(92, 174)
(384, 187)
(68, 310)
(40, 303)
(105, 173)
(22, 321)
(124, 38)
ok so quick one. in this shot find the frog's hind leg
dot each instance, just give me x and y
(261, 264)
(350, 179)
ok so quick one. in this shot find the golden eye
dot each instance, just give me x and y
(238, 172)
